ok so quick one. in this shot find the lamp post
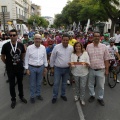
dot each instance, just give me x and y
(3, 12)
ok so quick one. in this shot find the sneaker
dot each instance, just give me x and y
(101, 102)
(13, 104)
(118, 81)
(64, 98)
(82, 102)
(32, 100)
(68, 82)
(23, 100)
(76, 98)
(40, 97)
(54, 100)
(91, 99)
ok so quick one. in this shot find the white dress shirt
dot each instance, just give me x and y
(60, 56)
(35, 56)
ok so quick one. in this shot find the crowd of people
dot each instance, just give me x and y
(72, 55)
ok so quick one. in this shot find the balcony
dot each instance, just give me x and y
(6, 17)
(21, 17)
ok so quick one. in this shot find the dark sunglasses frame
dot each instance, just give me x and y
(12, 35)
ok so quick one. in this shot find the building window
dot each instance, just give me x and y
(19, 11)
(4, 8)
(16, 10)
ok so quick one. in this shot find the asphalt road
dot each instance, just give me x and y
(45, 110)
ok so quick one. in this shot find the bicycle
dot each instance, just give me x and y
(50, 76)
(112, 76)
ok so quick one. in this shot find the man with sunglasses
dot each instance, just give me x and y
(12, 55)
(114, 55)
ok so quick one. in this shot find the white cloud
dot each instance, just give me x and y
(50, 7)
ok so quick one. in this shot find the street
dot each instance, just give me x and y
(61, 110)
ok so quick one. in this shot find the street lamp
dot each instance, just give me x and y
(3, 12)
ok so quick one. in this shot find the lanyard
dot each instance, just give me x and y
(14, 48)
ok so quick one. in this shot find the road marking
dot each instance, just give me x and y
(79, 108)
(80, 112)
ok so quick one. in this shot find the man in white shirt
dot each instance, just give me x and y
(117, 37)
(35, 63)
(59, 59)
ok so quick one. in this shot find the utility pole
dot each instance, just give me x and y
(3, 12)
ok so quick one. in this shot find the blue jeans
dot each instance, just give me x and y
(80, 85)
(99, 76)
(60, 75)
(35, 78)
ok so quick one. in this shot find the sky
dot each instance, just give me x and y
(50, 7)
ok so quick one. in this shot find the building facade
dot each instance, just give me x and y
(14, 14)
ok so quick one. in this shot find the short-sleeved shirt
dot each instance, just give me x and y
(97, 54)
(13, 57)
(112, 50)
(106, 42)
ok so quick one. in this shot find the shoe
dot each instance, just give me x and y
(40, 97)
(118, 81)
(82, 102)
(54, 100)
(64, 98)
(76, 98)
(7, 81)
(44, 81)
(13, 104)
(68, 82)
(91, 99)
(23, 100)
(32, 100)
(101, 102)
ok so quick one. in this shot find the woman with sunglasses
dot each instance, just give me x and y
(79, 68)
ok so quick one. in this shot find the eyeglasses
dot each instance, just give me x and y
(38, 38)
(12, 35)
(78, 58)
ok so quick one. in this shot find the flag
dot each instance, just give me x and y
(87, 27)
(78, 27)
(74, 26)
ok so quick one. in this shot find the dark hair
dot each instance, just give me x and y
(95, 32)
(13, 30)
(82, 49)
(25, 34)
(65, 35)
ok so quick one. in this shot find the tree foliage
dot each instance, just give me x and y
(95, 10)
(38, 21)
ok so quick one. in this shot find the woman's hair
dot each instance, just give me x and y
(82, 49)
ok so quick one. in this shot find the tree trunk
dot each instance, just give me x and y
(112, 28)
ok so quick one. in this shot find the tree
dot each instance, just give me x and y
(112, 10)
(36, 21)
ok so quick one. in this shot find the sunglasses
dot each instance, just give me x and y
(78, 58)
(12, 35)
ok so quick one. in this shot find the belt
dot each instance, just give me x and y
(35, 66)
(97, 69)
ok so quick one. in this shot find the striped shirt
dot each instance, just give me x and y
(97, 54)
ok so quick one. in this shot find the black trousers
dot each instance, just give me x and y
(11, 76)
